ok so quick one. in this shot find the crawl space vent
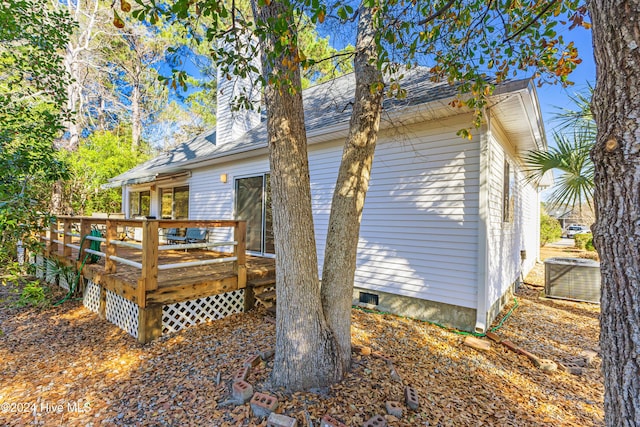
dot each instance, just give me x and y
(367, 298)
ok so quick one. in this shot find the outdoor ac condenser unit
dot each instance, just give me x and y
(574, 279)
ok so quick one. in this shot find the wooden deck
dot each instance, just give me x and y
(178, 284)
(151, 273)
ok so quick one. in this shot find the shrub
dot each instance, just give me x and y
(33, 294)
(550, 230)
(584, 241)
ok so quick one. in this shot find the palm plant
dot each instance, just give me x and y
(579, 119)
(571, 156)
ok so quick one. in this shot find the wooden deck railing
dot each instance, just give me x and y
(70, 233)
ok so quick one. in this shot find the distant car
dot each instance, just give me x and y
(572, 230)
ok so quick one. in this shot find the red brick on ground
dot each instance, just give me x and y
(241, 374)
(329, 421)
(242, 391)
(411, 398)
(279, 420)
(263, 404)
(251, 361)
(375, 421)
(393, 408)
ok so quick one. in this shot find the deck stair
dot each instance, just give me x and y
(263, 282)
(260, 290)
(268, 298)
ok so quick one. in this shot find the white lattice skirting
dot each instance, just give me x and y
(91, 298)
(39, 263)
(122, 313)
(67, 279)
(119, 311)
(51, 272)
(182, 314)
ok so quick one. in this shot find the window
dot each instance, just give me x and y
(174, 202)
(139, 203)
(507, 193)
(253, 204)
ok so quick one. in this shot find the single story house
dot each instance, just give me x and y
(450, 225)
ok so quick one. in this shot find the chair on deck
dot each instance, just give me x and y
(172, 236)
(196, 235)
(193, 235)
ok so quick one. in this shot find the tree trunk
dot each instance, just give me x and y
(57, 205)
(305, 349)
(616, 156)
(73, 99)
(136, 117)
(351, 188)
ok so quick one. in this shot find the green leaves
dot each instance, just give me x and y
(572, 159)
(98, 158)
(344, 12)
(32, 96)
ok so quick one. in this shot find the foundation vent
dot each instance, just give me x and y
(367, 298)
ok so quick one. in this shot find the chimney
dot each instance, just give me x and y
(231, 122)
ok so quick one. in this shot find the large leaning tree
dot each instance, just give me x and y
(471, 44)
(616, 157)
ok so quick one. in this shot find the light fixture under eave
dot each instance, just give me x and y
(223, 178)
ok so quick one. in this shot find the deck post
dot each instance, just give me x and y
(149, 274)
(249, 298)
(149, 323)
(150, 254)
(239, 251)
(102, 307)
(110, 250)
(52, 247)
(43, 236)
(66, 250)
(85, 230)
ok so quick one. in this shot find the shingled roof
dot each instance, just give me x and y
(325, 105)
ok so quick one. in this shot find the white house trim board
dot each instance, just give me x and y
(483, 225)
(507, 240)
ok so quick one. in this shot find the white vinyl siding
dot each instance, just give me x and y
(507, 239)
(419, 227)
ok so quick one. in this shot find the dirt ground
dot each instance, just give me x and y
(63, 366)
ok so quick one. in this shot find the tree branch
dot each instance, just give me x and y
(336, 55)
(437, 13)
(530, 23)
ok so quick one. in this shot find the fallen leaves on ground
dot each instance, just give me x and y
(67, 367)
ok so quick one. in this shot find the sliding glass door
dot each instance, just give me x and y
(253, 204)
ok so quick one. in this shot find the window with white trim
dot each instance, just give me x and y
(174, 202)
(508, 191)
(139, 203)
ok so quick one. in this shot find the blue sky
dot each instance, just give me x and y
(553, 97)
